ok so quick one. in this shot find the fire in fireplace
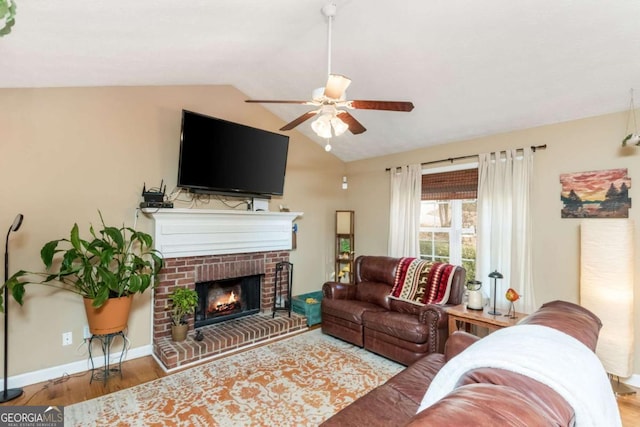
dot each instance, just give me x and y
(222, 300)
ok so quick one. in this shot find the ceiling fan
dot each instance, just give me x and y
(331, 100)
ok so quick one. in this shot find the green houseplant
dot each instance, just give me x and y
(114, 264)
(183, 301)
(7, 16)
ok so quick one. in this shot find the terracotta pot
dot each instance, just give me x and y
(179, 332)
(109, 318)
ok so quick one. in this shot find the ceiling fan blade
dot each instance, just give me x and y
(336, 85)
(381, 105)
(275, 101)
(355, 127)
(303, 118)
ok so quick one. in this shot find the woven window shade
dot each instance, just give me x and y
(461, 184)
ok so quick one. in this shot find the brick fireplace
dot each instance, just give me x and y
(190, 270)
(251, 244)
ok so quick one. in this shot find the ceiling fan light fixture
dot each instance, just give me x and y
(339, 127)
(322, 126)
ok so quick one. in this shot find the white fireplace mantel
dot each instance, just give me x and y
(196, 232)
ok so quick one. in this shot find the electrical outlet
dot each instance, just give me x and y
(67, 338)
(86, 334)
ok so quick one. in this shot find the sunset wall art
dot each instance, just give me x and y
(596, 194)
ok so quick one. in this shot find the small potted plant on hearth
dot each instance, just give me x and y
(183, 302)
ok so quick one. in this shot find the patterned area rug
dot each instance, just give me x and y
(299, 381)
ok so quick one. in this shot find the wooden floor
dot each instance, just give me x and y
(76, 388)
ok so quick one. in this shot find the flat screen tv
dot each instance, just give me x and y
(222, 157)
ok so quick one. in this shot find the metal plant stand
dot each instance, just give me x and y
(283, 287)
(106, 370)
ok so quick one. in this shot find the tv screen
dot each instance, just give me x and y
(221, 157)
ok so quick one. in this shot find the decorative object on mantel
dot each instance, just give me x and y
(495, 276)
(7, 16)
(596, 194)
(107, 270)
(184, 301)
(634, 136)
(8, 394)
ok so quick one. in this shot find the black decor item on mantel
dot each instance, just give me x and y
(495, 276)
(8, 394)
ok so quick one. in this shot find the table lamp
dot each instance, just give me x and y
(495, 276)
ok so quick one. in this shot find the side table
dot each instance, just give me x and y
(106, 370)
(463, 315)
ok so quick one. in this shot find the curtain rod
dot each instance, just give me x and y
(471, 156)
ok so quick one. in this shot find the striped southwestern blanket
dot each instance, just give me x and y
(422, 282)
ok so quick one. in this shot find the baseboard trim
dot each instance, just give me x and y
(54, 372)
(633, 380)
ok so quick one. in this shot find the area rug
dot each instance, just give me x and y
(299, 381)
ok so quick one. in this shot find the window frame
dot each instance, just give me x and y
(455, 231)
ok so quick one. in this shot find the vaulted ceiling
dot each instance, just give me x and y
(470, 67)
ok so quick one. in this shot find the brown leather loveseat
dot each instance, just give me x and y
(363, 313)
(490, 396)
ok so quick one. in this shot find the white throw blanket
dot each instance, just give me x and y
(545, 355)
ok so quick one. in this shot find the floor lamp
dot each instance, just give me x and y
(606, 288)
(8, 394)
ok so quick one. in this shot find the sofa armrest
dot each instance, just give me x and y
(457, 343)
(434, 315)
(337, 290)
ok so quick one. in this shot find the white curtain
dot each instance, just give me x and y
(404, 212)
(504, 225)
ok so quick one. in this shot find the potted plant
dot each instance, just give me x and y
(183, 301)
(106, 270)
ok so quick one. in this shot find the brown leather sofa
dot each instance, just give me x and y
(482, 397)
(364, 315)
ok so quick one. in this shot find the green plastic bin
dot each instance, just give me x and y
(310, 311)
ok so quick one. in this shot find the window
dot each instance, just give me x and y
(448, 217)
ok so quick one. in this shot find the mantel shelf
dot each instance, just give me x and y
(197, 232)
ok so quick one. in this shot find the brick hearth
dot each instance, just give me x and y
(225, 336)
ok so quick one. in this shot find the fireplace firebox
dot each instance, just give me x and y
(221, 300)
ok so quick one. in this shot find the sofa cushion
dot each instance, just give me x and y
(376, 269)
(374, 292)
(350, 310)
(542, 396)
(407, 327)
(569, 318)
(483, 405)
